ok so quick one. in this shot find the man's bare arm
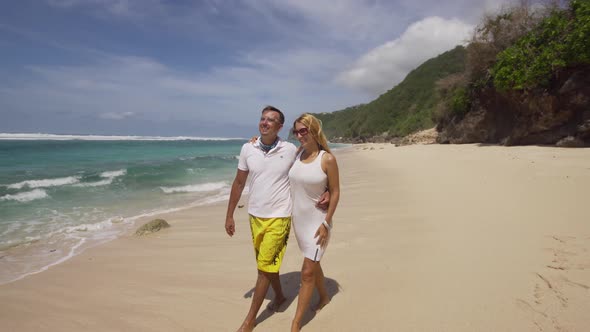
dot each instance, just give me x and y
(324, 200)
(234, 197)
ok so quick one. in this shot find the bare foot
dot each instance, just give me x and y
(247, 327)
(321, 305)
(275, 305)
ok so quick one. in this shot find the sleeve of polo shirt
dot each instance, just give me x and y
(242, 164)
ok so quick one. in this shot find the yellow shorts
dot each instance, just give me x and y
(270, 236)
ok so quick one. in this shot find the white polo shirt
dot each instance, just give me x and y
(270, 194)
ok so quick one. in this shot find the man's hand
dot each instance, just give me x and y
(324, 201)
(230, 226)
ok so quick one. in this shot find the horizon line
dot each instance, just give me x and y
(92, 137)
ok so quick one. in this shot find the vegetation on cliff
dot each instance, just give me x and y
(560, 41)
(524, 78)
(404, 109)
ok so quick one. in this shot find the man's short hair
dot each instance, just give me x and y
(274, 109)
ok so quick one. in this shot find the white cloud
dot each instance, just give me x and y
(385, 66)
(135, 88)
(214, 61)
(116, 116)
(116, 8)
(334, 21)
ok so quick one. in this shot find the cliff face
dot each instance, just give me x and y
(558, 115)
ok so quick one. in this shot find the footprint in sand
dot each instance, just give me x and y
(540, 319)
(574, 284)
(558, 291)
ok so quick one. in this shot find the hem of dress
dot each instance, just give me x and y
(314, 257)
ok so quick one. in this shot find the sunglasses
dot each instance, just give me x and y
(302, 132)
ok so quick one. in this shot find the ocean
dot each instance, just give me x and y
(62, 194)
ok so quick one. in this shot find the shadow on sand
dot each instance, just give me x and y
(290, 283)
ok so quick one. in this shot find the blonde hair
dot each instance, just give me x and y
(314, 125)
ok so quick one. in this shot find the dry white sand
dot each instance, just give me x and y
(426, 238)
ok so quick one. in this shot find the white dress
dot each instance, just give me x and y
(308, 182)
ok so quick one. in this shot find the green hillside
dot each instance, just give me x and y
(405, 108)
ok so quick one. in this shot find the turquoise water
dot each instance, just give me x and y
(62, 195)
(58, 197)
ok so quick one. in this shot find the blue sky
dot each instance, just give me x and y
(207, 68)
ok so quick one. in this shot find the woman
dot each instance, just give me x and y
(314, 170)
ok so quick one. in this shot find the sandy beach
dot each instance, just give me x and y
(426, 238)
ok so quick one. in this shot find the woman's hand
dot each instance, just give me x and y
(322, 234)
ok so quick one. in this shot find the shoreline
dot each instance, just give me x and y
(42, 252)
(122, 227)
(24, 259)
(427, 237)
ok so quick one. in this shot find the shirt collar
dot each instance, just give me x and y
(279, 143)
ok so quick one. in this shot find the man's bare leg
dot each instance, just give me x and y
(280, 298)
(262, 284)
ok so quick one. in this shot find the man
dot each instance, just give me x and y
(268, 161)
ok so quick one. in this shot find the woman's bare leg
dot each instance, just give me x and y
(308, 279)
(320, 284)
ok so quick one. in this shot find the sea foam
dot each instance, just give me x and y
(113, 174)
(195, 188)
(25, 196)
(44, 183)
(109, 177)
